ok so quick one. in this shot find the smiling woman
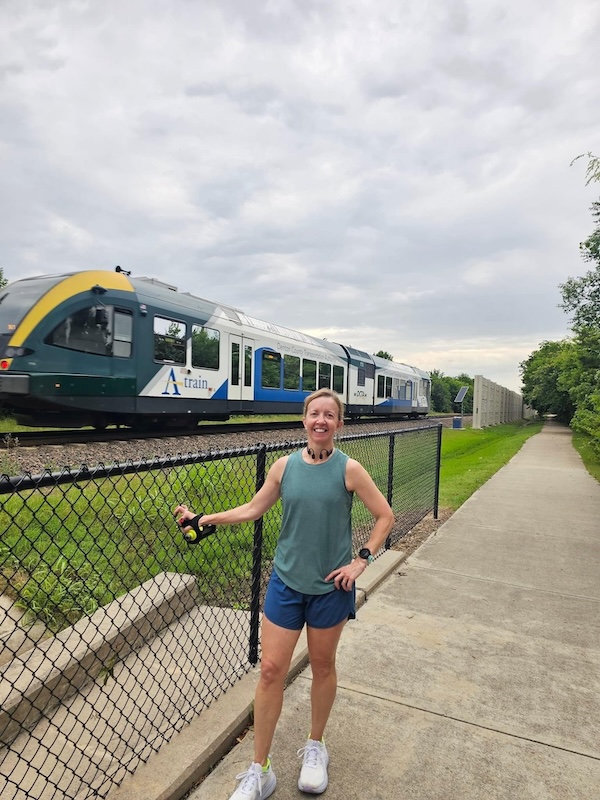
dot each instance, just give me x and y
(312, 583)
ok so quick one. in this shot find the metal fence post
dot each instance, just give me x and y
(261, 461)
(390, 486)
(438, 463)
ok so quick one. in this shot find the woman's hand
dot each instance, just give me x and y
(181, 514)
(344, 577)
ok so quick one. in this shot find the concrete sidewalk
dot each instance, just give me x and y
(471, 673)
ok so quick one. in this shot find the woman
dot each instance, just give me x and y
(312, 582)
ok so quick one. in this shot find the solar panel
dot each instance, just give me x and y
(461, 394)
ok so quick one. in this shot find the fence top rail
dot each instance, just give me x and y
(11, 484)
(393, 432)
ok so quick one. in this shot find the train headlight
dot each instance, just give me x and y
(14, 352)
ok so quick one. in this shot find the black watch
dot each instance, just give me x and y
(365, 554)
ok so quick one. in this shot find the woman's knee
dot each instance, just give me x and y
(272, 671)
(322, 667)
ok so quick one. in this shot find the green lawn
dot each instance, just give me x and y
(470, 457)
(582, 443)
(66, 551)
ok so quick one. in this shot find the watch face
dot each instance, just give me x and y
(364, 553)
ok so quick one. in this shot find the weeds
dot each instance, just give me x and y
(57, 595)
(8, 464)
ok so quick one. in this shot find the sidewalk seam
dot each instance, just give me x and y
(503, 583)
(395, 701)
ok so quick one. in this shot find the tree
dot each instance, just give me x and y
(592, 172)
(581, 296)
(384, 354)
(465, 380)
(444, 389)
(3, 280)
(542, 387)
(440, 397)
(564, 377)
(582, 375)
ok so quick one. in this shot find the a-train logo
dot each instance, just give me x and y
(172, 386)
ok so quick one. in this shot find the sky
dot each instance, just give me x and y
(387, 174)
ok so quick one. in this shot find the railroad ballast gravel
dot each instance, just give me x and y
(54, 458)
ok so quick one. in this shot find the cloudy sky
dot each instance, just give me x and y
(389, 174)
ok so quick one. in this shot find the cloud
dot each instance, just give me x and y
(393, 172)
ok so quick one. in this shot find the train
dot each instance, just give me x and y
(100, 348)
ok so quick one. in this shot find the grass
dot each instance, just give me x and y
(471, 456)
(9, 426)
(66, 551)
(583, 444)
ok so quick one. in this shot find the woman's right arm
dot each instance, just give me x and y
(267, 496)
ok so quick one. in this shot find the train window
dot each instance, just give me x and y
(291, 372)
(123, 334)
(235, 364)
(388, 387)
(381, 386)
(324, 376)
(88, 330)
(402, 390)
(247, 365)
(169, 340)
(271, 370)
(205, 347)
(370, 371)
(338, 380)
(309, 375)
(360, 378)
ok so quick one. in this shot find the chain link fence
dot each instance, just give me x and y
(115, 632)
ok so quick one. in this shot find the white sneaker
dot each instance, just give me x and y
(255, 784)
(313, 775)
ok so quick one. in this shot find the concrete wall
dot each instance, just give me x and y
(494, 404)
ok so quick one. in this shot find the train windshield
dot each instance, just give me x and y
(18, 298)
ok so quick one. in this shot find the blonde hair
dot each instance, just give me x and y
(324, 393)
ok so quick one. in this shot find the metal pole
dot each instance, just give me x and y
(390, 486)
(261, 461)
(436, 497)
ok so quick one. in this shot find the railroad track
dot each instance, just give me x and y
(10, 440)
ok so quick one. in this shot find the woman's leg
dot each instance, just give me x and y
(277, 646)
(322, 649)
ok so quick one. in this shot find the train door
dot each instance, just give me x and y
(241, 368)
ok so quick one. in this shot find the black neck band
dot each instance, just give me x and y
(313, 455)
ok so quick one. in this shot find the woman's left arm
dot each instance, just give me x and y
(362, 484)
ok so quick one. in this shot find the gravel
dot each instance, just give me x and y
(35, 460)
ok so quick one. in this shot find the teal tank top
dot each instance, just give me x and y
(316, 526)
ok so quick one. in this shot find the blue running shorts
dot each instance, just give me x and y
(291, 609)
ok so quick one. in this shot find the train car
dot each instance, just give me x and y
(97, 348)
(401, 389)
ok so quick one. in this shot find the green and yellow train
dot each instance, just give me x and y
(100, 348)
